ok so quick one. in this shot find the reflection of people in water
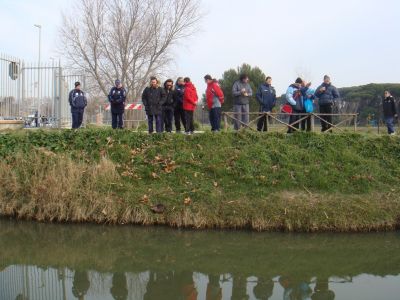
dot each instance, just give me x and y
(80, 284)
(263, 289)
(239, 288)
(171, 285)
(299, 290)
(187, 287)
(321, 290)
(214, 290)
(119, 289)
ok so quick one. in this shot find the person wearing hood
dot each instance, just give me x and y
(266, 97)
(190, 99)
(117, 98)
(179, 112)
(168, 105)
(78, 102)
(327, 95)
(215, 99)
(242, 93)
(153, 98)
(295, 99)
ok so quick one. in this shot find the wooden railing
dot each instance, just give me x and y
(277, 118)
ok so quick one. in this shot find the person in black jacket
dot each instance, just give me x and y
(389, 112)
(153, 98)
(168, 106)
(179, 112)
(327, 95)
(266, 97)
(117, 97)
(78, 102)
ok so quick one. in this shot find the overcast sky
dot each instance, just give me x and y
(354, 41)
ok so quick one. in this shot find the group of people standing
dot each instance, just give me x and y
(178, 101)
(299, 102)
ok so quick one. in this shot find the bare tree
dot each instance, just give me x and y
(126, 39)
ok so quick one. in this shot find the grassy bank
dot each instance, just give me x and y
(248, 180)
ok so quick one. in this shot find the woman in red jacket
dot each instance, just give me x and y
(190, 99)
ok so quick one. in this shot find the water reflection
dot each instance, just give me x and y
(89, 262)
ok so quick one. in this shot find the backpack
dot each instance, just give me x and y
(78, 100)
(308, 106)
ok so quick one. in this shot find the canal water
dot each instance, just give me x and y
(42, 261)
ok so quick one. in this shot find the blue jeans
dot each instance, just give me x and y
(159, 123)
(215, 118)
(117, 120)
(77, 118)
(389, 124)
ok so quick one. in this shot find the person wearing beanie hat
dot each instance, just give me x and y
(78, 102)
(215, 99)
(117, 98)
(327, 95)
(294, 98)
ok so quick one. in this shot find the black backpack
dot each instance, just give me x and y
(78, 100)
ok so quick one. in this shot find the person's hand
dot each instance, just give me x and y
(243, 90)
(395, 116)
(245, 94)
(308, 84)
(323, 89)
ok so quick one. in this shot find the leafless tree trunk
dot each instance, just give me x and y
(125, 39)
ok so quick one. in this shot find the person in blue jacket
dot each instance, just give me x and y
(294, 98)
(308, 96)
(117, 98)
(266, 97)
(179, 112)
(327, 95)
(78, 102)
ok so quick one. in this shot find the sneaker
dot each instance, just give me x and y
(393, 133)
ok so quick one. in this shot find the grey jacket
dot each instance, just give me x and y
(239, 99)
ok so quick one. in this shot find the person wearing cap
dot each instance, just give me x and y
(266, 97)
(117, 98)
(295, 99)
(78, 102)
(327, 95)
(215, 99)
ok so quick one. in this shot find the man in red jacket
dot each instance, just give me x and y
(189, 104)
(215, 99)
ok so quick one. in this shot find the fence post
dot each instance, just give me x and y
(225, 122)
(355, 123)
(312, 123)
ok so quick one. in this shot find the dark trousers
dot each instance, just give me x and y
(77, 119)
(189, 121)
(326, 109)
(179, 116)
(292, 119)
(262, 124)
(168, 115)
(215, 118)
(306, 123)
(159, 123)
(117, 120)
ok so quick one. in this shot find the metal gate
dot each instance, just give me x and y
(36, 93)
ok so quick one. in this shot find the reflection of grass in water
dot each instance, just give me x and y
(302, 182)
(134, 249)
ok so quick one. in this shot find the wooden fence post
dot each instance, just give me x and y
(225, 122)
(312, 123)
(355, 123)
